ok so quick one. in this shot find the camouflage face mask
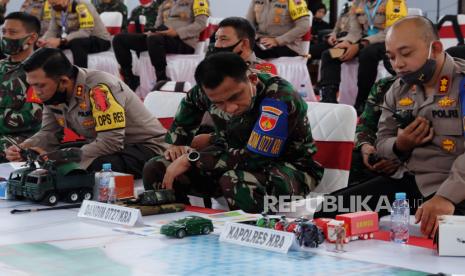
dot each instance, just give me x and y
(13, 46)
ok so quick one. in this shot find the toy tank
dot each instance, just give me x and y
(59, 177)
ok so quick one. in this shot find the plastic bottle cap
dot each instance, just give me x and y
(106, 166)
(401, 196)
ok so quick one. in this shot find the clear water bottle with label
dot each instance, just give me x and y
(400, 218)
(111, 191)
(103, 179)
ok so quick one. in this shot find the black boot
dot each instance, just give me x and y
(130, 79)
(329, 93)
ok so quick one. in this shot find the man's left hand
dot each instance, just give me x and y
(429, 211)
(170, 32)
(175, 169)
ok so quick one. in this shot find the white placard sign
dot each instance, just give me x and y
(257, 237)
(109, 213)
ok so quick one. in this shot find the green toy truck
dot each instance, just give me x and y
(60, 178)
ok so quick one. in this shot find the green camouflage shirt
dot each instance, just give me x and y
(236, 139)
(20, 117)
(149, 12)
(115, 6)
(368, 123)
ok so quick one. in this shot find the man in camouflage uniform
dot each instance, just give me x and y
(40, 9)
(144, 16)
(177, 30)
(280, 25)
(20, 112)
(369, 20)
(112, 120)
(262, 143)
(365, 137)
(3, 4)
(114, 6)
(77, 26)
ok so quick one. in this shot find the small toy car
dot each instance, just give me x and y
(266, 222)
(292, 226)
(190, 225)
(308, 234)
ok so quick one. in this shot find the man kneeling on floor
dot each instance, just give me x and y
(262, 143)
(113, 121)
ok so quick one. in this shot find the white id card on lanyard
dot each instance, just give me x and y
(64, 24)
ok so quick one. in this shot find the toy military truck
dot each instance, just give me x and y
(59, 177)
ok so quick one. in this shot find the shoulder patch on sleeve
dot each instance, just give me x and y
(86, 20)
(31, 96)
(270, 132)
(107, 112)
(298, 9)
(200, 7)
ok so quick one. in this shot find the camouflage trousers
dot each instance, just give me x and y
(244, 190)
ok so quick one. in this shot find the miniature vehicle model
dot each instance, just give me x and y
(266, 222)
(308, 234)
(282, 224)
(190, 225)
(154, 202)
(58, 177)
(292, 227)
(358, 225)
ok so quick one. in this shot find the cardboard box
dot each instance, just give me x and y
(451, 236)
(124, 185)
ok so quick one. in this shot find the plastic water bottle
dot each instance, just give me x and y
(303, 91)
(400, 218)
(104, 177)
(111, 191)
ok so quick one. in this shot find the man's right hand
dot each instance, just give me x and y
(384, 166)
(174, 152)
(415, 134)
(13, 154)
(41, 43)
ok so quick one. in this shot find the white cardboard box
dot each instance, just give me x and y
(451, 236)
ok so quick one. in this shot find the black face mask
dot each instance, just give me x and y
(57, 98)
(215, 50)
(13, 46)
(423, 74)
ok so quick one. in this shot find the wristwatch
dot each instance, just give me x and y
(63, 41)
(193, 157)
